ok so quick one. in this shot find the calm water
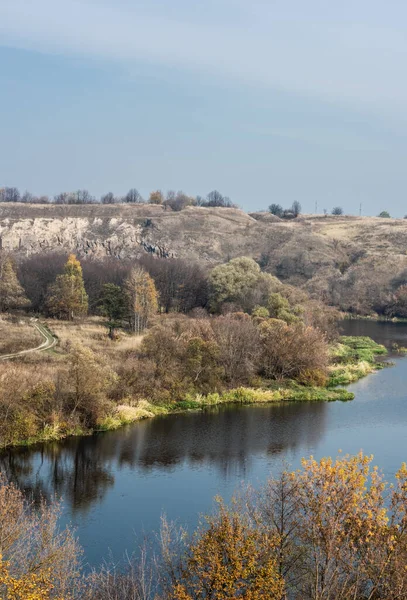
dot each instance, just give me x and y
(116, 485)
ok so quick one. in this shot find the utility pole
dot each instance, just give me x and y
(360, 210)
(316, 207)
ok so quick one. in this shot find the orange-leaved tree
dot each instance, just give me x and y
(229, 558)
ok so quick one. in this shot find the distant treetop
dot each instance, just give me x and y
(175, 201)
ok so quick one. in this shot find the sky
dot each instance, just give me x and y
(268, 101)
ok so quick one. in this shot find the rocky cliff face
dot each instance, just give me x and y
(128, 231)
(352, 262)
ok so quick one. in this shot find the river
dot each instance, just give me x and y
(116, 485)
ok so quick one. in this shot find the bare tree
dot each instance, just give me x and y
(133, 197)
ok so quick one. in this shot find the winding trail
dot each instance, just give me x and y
(49, 342)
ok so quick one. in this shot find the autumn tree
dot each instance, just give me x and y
(37, 560)
(293, 352)
(142, 298)
(88, 381)
(239, 347)
(67, 297)
(228, 558)
(156, 197)
(12, 294)
(340, 530)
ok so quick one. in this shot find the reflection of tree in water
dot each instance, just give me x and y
(73, 470)
(81, 470)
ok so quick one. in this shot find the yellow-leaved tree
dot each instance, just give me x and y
(38, 560)
(67, 297)
(142, 298)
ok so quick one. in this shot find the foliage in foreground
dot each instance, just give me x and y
(332, 530)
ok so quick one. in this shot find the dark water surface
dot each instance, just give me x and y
(117, 484)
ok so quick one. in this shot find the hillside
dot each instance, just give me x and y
(352, 262)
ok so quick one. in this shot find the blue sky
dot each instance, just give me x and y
(267, 101)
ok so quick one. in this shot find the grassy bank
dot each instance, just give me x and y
(352, 359)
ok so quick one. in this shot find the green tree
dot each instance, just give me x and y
(12, 294)
(279, 308)
(113, 306)
(384, 215)
(231, 281)
(142, 298)
(67, 297)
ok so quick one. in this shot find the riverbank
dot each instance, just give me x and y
(375, 318)
(352, 359)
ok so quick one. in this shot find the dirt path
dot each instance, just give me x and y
(49, 342)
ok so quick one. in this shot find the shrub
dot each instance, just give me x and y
(290, 351)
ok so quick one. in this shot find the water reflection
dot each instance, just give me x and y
(81, 470)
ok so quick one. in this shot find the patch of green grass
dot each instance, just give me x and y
(353, 358)
(187, 404)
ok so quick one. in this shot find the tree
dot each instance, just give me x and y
(276, 209)
(337, 210)
(38, 561)
(239, 347)
(9, 194)
(216, 199)
(113, 306)
(293, 352)
(108, 198)
(36, 273)
(88, 380)
(384, 215)
(62, 198)
(12, 294)
(232, 281)
(181, 285)
(178, 201)
(142, 298)
(133, 197)
(340, 532)
(67, 297)
(228, 558)
(27, 198)
(296, 208)
(82, 197)
(156, 197)
(279, 308)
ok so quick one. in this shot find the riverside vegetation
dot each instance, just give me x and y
(333, 529)
(246, 338)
